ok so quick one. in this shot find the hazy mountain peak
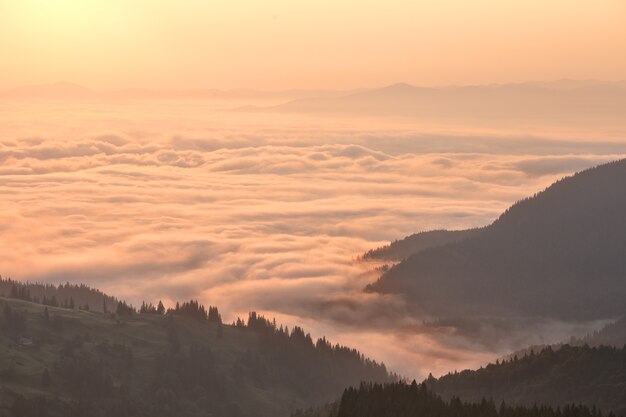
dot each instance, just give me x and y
(52, 90)
(399, 86)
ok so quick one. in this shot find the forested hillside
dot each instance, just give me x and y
(586, 375)
(62, 295)
(613, 334)
(403, 248)
(58, 361)
(416, 400)
(559, 253)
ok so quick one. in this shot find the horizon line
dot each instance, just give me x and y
(88, 89)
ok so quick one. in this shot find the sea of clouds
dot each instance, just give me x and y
(177, 200)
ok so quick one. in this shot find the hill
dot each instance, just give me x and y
(581, 375)
(559, 253)
(67, 362)
(401, 249)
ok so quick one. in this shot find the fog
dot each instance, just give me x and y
(173, 200)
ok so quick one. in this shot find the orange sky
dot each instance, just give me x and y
(276, 44)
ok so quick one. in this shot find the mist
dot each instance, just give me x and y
(170, 200)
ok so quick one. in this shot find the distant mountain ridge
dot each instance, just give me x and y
(549, 99)
(558, 254)
(562, 100)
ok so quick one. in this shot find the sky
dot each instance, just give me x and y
(282, 44)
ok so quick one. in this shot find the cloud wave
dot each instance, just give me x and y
(171, 202)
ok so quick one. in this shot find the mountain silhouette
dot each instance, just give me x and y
(557, 100)
(559, 253)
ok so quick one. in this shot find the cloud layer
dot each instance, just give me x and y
(171, 201)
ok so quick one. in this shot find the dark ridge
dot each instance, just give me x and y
(572, 374)
(559, 253)
(417, 242)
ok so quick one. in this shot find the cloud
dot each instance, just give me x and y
(174, 202)
(560, 165)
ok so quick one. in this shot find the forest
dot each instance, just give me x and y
(63, 295)
(416, 400)
(63, 361)
(593, 376)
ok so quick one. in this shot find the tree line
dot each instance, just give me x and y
(557, 376)
(416, 400)
(66, 295)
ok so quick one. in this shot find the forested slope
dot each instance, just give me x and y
(559, 253)
(582, 374)
(416, 400)
(403, 248)
(66, 295)
(67, 362)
